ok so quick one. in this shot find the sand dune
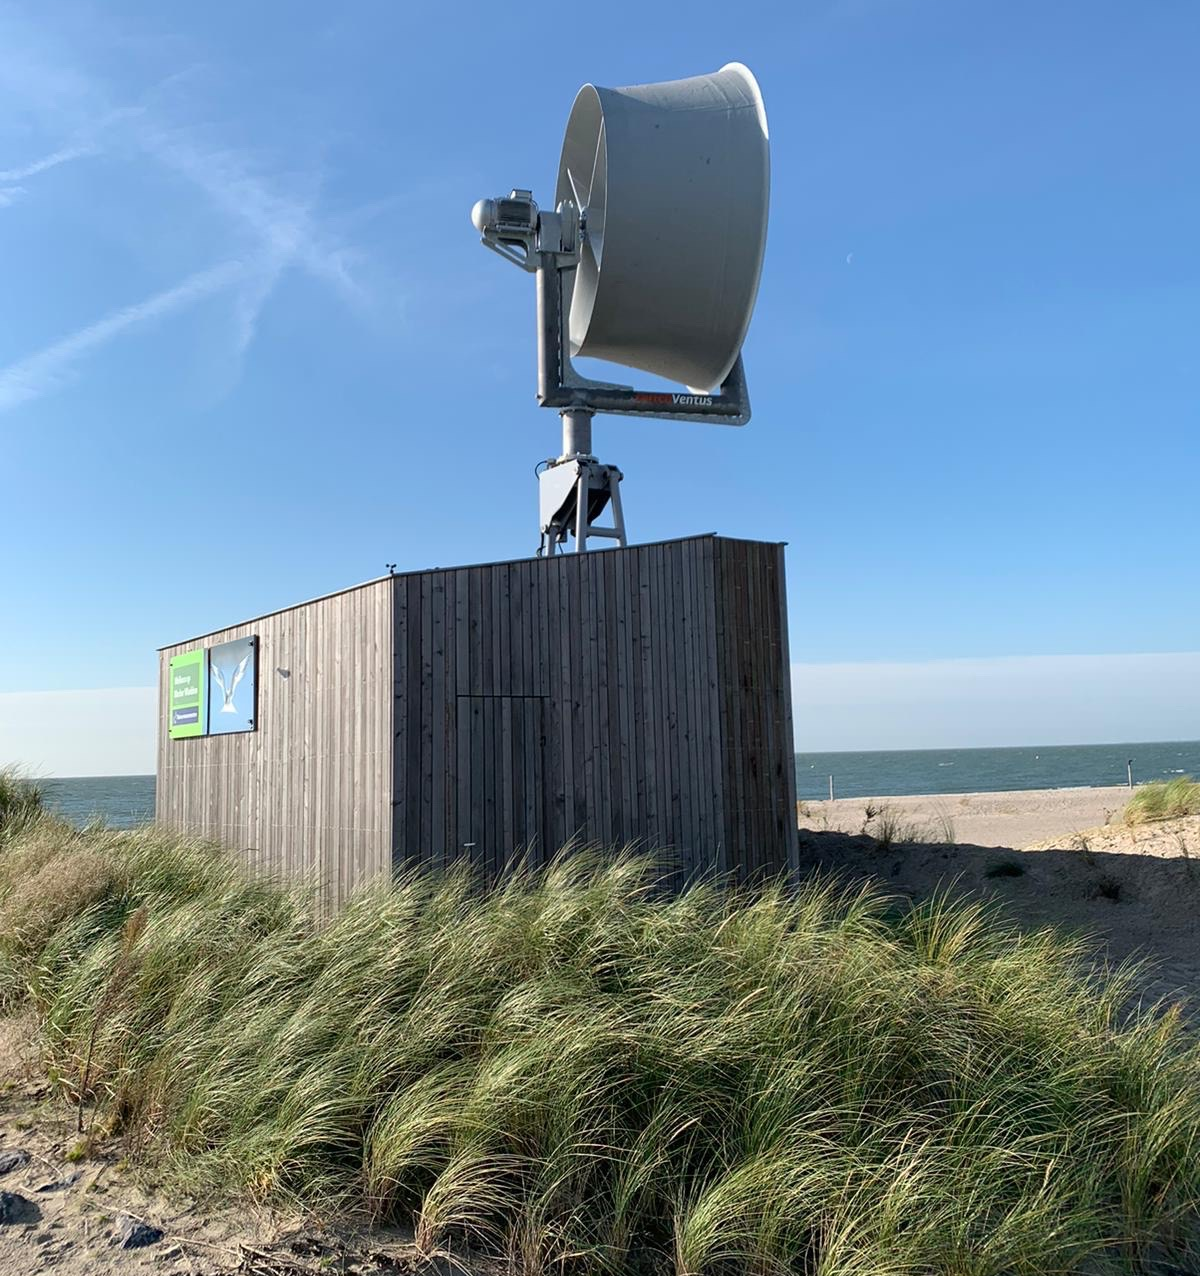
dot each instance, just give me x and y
(1051, 856)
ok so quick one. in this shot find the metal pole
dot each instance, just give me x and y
(831, 788)
(577, 432)
(614, 499)
(581, 509)
(1129, 772)
(549, 320)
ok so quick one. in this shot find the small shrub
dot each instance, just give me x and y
(1082, 843)
(809, 817)
(889, 827)
(1185, 853)
(942, 828)
(1164, 800)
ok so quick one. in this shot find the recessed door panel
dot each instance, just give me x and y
(501, 779)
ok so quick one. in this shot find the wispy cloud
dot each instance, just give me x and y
(283, 226)
(253, 296)
(40, 373)
(53, 160)
(10, 192)
(270, 214)
(283, 230)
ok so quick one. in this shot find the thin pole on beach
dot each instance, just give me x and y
(831, 788)
(1129, 772)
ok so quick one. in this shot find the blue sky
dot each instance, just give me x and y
(251, 349)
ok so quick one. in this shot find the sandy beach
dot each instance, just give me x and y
(1016, 819)
(1047, 856)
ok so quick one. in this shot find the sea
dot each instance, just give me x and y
(896, 773)
(125, 801)
(121, 801)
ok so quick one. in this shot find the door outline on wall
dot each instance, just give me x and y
(501, 797)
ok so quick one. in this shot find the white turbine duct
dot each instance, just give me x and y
(673, 180)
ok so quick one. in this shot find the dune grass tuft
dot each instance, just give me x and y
(1164, 800)
(20, 801)
(580, 1074)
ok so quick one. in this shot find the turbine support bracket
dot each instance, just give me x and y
(575, 488)
(560, 386)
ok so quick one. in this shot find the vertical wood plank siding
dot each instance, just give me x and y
(309, 793)
(754, 680)
(638, 695)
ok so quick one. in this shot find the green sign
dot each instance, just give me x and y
(187, 711)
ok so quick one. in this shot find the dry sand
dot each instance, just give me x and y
(1047, 856)
(984, 819)
(67, 1216)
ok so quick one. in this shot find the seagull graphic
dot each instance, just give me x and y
(227, 691)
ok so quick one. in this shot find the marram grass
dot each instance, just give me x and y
(1164, 800)
(582, 1075)
(20, 801)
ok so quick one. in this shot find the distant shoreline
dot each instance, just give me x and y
(983, 793)
(926, 772)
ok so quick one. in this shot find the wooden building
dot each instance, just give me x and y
(628, 695)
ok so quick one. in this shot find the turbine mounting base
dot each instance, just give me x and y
(575, 489)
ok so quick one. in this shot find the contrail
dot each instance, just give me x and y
(48, 161)
(39, 373)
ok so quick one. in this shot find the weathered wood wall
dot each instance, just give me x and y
(638, 695)
(309, 792)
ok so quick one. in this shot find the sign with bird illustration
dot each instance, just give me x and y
(232, 686)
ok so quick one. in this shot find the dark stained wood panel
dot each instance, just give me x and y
(754, 680)
(655, 679)
(502, 795)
